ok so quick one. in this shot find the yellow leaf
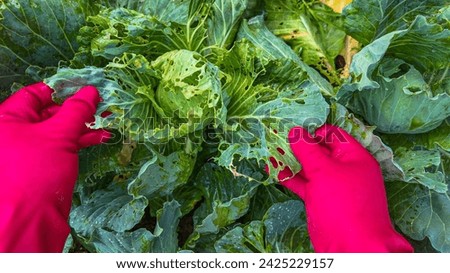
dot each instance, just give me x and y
(337, 5)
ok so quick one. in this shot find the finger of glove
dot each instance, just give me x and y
(297, 185)
(309, 150)
(27, 103)
(341, 144)
(77, 111)
(94, 137)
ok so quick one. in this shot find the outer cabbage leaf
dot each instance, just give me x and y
(286, 229)
(380, 87)
(114, 158)
(246, 239)
(421, 212)
(37, 35)
(367, 20)
(162, 240)
(420, 207)
(437, 138)
(423, 157)
(110, 208)
(261, 133)
(138, 241)
(312, 29)
(264, 198)
(423, 167)
(403, 104)
(168, 219)
(283, 230)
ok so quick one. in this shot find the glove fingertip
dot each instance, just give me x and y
(95, 137)
(306, 148)
(297, 185)
(78, 110)
(41, 88)
(88, 94)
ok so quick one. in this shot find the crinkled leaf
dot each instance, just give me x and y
(139, 241)
(283, 230)
(224, 21)
(424, 44)
(264, 198)
(98, 161)
(273, 48)
(168, 219)
(162, 240)
(247, 239)
(286, 229)
(161, 175)
(67, 82)
(423, 167)
(111, 208)
(150, 101)
(188, 196)
(227, 198)
(260, 134)
(312, 29)
(402, 104)
(167, 10)
(423, 246)
(266, 99)
(421, 212)
(112, 33)
(39, 34)
(429, 52)
(189, 90)
(68, 245)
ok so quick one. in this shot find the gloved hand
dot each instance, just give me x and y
(342, 187)
(39, 142)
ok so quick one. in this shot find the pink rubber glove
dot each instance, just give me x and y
(342, 187)
(39, 142)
